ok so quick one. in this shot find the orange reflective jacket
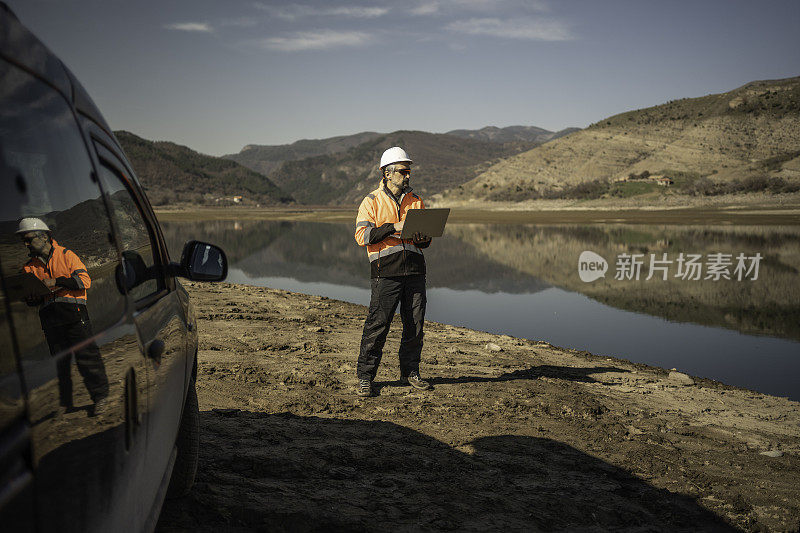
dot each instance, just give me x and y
(389, 255)
(62, 263)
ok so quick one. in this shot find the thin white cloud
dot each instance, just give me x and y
(519, 28)
(358, 12)
(190, 26)
(297, 11)
(430, 7)
(316, 40)
(426, 8)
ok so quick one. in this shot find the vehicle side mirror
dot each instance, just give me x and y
(201, 261)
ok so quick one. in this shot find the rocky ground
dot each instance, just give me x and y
(516, 434)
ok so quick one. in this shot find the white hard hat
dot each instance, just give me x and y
(32, 224)
(395, 154)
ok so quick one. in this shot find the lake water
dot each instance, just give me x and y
(721, 302)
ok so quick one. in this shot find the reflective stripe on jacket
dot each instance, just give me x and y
(62, 263)
(388, 254)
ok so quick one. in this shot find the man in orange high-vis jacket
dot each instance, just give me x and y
(63, 313)
(397, 270)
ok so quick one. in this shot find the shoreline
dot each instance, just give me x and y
(756, 214)
(619, 443)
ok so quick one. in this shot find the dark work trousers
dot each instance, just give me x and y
(61, 337)
(409, 292)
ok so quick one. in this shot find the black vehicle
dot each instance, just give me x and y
(98, 409)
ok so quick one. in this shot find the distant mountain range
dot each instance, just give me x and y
(744, 140)
(264, 159)
(336, 171)
(171, 173)
(344, 169)
(512, 134)
(441, 162)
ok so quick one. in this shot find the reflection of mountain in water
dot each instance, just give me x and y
(768, 305)
(526, 259)
(238, 239)
(319, 252)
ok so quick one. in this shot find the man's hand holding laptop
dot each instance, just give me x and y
(417, 237)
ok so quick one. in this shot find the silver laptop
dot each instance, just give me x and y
(428, 222)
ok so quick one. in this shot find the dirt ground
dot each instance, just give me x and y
(516, 434)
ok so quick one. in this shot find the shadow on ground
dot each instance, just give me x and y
(282, 472)
(567, 373)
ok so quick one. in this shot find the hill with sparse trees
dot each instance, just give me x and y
(174, 174)
(265, 158)
(440, 162)
(745, 140)
(342, 169)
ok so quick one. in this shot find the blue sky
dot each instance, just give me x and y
(216, 75)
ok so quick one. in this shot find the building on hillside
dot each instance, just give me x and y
(231, 199)
(665, 181)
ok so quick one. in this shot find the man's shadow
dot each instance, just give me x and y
(281, 472)
(581, 375)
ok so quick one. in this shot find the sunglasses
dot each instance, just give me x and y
(28, 240)
(404, 171)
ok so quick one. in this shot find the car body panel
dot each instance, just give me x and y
(17, 496)
(103, 471)
(166, 375)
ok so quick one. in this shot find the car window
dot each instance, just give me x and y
(50, 185)
(134, 235)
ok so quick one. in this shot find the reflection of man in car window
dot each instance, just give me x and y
(63, 313)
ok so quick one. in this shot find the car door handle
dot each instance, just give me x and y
(156, 350)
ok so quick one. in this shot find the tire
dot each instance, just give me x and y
(188, 444)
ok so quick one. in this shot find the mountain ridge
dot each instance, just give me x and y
(747, 137)
(512, 134)
(266, 158)
(345, 177)
(172, 173)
